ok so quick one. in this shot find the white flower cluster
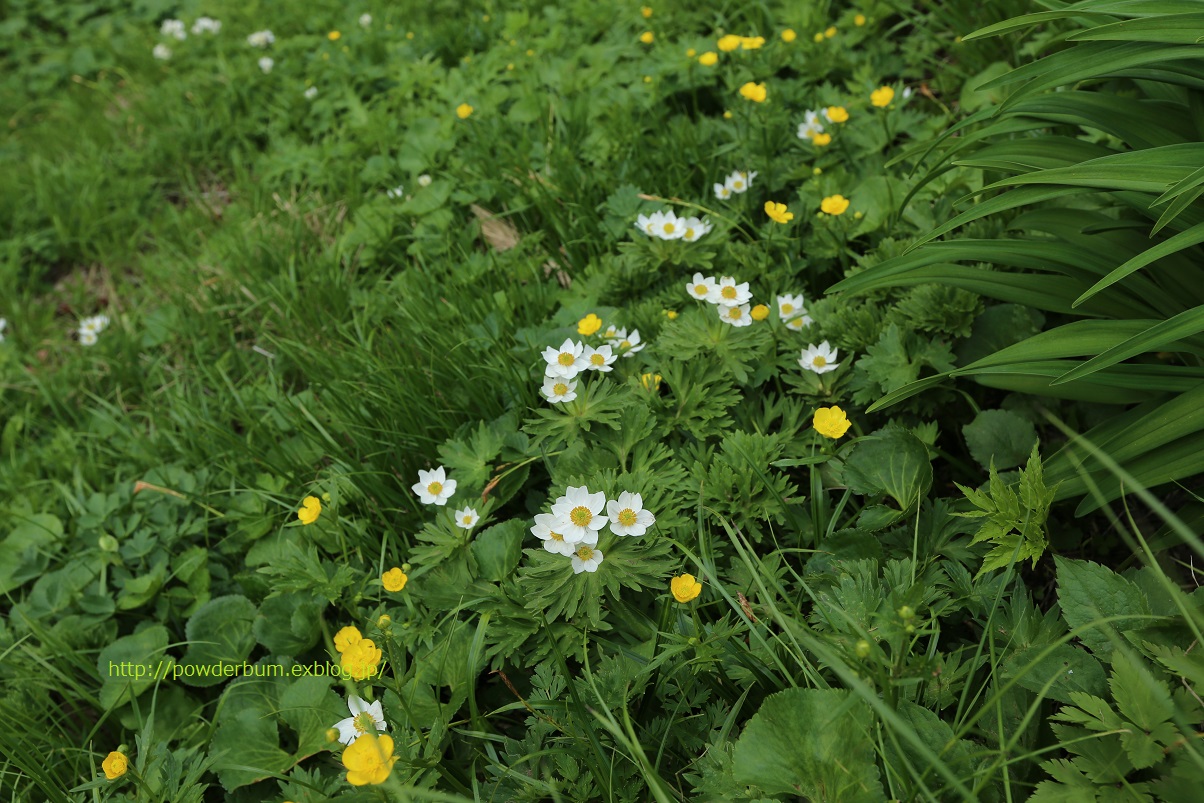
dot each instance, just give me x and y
(90, 329)
(565, 363)
(365, 20)
(668, 226)
(730, 298)
(395, 193)
(206, 25)
(811, 126)
(266, 63)
(792, 312)
(434, 488)
(738, 182)
(174, 28)
(311, 93)
(572, 528)
(820, 359)
(161, 51)
(261, 39)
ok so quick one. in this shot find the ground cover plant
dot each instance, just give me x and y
(577, 401)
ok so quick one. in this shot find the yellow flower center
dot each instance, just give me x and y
(728, 292)
(435, 488)
(566, 358)
(364, 723)
(560, 388)
(597, 359)
(689, 234)
(581, 516)
(735, 313)
(787, 309)
(585, 552)
(627, 517)
(468, 519)
(737, 185)
(819, 362)
(626, 344)
(700, 289)
(670, 228)
(555, 536)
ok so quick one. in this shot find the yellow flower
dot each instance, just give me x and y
(394, 579)
(311, 508)
(815, 171)
(346, 637)
(778, 212)
(691, 52)
(409, 34)
(334, 36)
(646, 11)
(754, 92)
(646, 37)
(751, 42)
(831, 422)
(463, 111)
(589, 324)
(651, 381)
(510, 66)
(838, 114)
(821, 139)
(115, 765)
(729, 43)
(685, 587)
(369, 759)
(859, 20)
(819, 37)
(671, 314)
(727, 115)
(882, 96)
(834, 205)
(361, 659)
(830, 32)
(760, 312)
(709, 59)
(647, 79)
(789, 35)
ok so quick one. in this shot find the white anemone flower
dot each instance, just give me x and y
(739, 181)
(566, 361)
(735, 315)
(173, 28)
(650, 224)
(266, 64)
(261, 39)
(425, 180)
(728, 293)
(466, 518)
(557, 389)
(628, 516)
(311, 93)
(670, 227)
(586, 559)
(797, 324)
(723, 192)
(811, 126)
(397, 192)
(545, 529)
(790, 306)
(701, 287)
(206, 25)
(599, 359)
(433, 487)
(626, 344)
(577, 514)
(94, 323)
(693, 228)
(820, 359)
(87, 337)
(161, 51)
(365, 20)
(365, 718)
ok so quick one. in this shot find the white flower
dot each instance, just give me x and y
(206, 25)
(649, 224)
(87, 337)
(266, 64)
(670, 227)
(811, 127)
(311, 93)
(735, 315)
(739, 181)
(558, 389)
(586, 559)
(466, 518)
(364, 718)
(701, 287)
(599, 359)
(424, 180)
(627, 515)
(567, 361)
(433, 487)
(162, 52)
(820, 359)
(723, 192)
(693, 228)
(3, 326)
(95, 324)
(611, 333)
(365, 20)
(798, 323)
(627, 344)
(397, 192)
(728, 293)
(261, 39)
(545, 529)
(790, 306)
(173, 28)
(906, 92)
(577, 514)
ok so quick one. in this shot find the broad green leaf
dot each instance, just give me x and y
(219, 635)
(499, 548)
(289, 624)
(892, 461)
(33, 535)
(132, 663)
(999, 437)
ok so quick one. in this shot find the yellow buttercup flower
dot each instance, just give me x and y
(754, 92)
(311, 508)
(882, 96)
(369, 759)
(361, 659)
(830, 32)
(463, 111)
(646, 11)
(334, 36)
(346, 637)
(831, 422)
(751, 42)
(685, 588)
(819, 37)
(778, 212)
(834, 205)
(394, 579)
(115, 765)
(838, 114)
(760, 312)
(859, 20)
(646, 37)
(729, 43)
(821, 139)
(789, 35)
(589, 324)
(651, 381)
(709, 59)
